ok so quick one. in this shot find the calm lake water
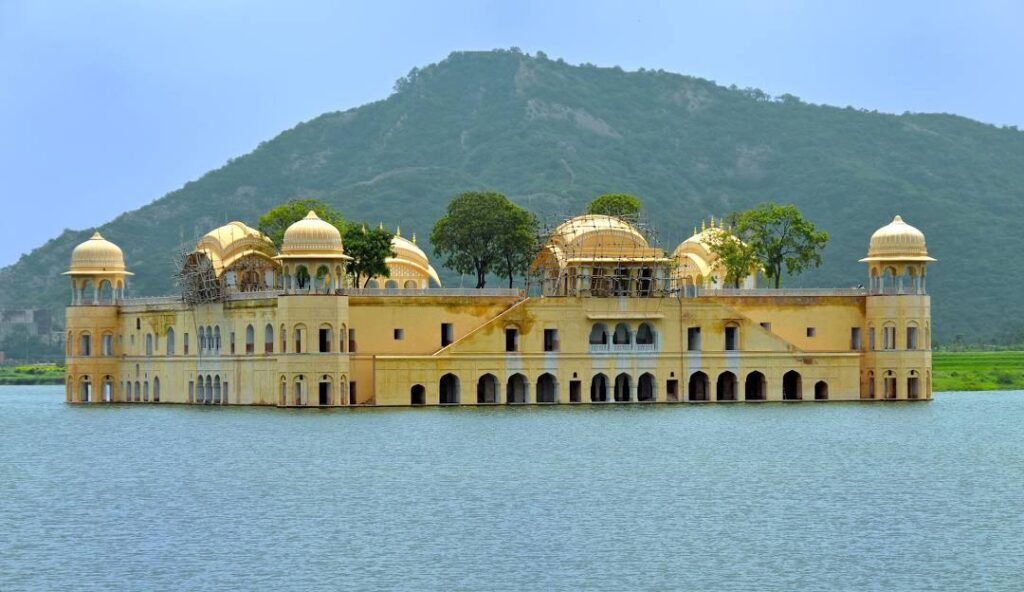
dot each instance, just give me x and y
(742, 497)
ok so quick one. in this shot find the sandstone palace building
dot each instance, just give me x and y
(614, 320)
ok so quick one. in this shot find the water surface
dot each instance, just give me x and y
(924, 496)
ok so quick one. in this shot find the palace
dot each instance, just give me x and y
(615, 320)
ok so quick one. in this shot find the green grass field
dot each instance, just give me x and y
(32, 374)
(978, 371)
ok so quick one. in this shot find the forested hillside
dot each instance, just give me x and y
(552, 136)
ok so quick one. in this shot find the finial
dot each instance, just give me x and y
(364, 227)
(702, 226)
(312, 216)
(694, 231)
(897, 220)
(380, 226)
(398, 230)
(712, 221)
(414, 238)
(96, 236)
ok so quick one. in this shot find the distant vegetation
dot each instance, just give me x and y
(32, 374)
(977, 371)
(551, 136)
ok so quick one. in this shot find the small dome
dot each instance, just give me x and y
(409, 253)
(97, 255)
(311, 236)
(898, 240)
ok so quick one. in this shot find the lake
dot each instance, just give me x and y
(836, 496)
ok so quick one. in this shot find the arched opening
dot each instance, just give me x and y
(145, 391)
(449, 394)
(890, 384)
(283, 348)
(792, 386)
(209, 389)
(268, 339)
(107, 396)
(284, 392)
(216, 390)
(487, 389)
(302, 279)
(298, 336)
(171, 345)
(410, 284)
(599, 334)
(156, 389)
(200, 390)
(325, 337)
(726, 387)
(755, 387)
(913, 385)
(250, 339)
(417, 395)
(645, 334)
(821, 391)
(324, 394)
(372, 284)
(297, 391)
(149, 344)
(622, 335)
(85, 390)
(547, 388)
(516, 391)
(202, 339)
(323, 279)
(391, 285)
(599, 389)
(623, 387)
(698, 386)
(645, 386)
(87, 295)
(106, 292)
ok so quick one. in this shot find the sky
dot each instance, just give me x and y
(107, 105)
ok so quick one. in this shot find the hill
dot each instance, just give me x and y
(553, 135)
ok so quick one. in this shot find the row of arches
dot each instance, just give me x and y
(82, 390)
(622, 388)
(210, 341)
(208, 390)
(297, 393)
(886, 386)
(622, 335)
(87, 292)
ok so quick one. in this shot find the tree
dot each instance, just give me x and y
(620, 205)
(736, 257)
(279, 218)
(369, 250)
(779, 235)
(484, 232)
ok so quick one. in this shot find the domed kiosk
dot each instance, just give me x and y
(97, 272)
(696, 265)
(409, 268)
(897, 259)
(313, 256)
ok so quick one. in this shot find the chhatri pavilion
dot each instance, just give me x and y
(614, 320)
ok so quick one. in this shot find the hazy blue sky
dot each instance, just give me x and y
(107, 105)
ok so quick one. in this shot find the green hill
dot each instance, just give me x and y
(553, 135)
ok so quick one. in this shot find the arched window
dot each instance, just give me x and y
(623, 386)
(156, 389)
(449, 389)
(913, 385)
(138, 391)
(145, 391)
(487, 389)
(889, 336)
(202, 339)
(216, 339)
(250, 339)
(599, 388)
(106, 292)
(698, 386)
(170, 341)
(417, 395)
(268, 339)
(820, 390)
(889, 380)
(547, 388)
(792, 386)
(298, 335)
(372, 284)
(284, 340)
(298, 391)
(755, 387)
(726, 387)
(107, 344)
(391, 285)
(209, 389)
(149, 344)
(645, 334)
(599, 334)
(645, 387)
(622, 334)
(912, 335)
(216, 389)
(517, 390)
(85, 344)
(410, 284)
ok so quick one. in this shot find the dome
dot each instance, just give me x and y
(594, 226)
(312, 237)
(97, 255)
(409, 253)
(233, 241)
(897, 240)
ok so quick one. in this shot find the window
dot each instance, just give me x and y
(325, 340)
(268, 339)
(550, 340)
(855, 338)
(871, 338)
(107, 345)
(731, 338)
(889, 337)
(352, 341)
(231, 343)
(149, 344)
(911, 337)
(170, 341)
(693, 338)
(766, 326)
(85, 345)
(138, 324)
(250, 339)
(399, 334)
(447, 334)
(672, 389)
(575, 387)
(511, 339)
(298, 340)
(184, 343)
(352, 393)
(811, 331)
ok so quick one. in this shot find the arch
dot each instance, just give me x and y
(821, 391)
(302, 279)
(645, 334)
(391, 285)
(250, 339)
(726, 387)
(599, 334)
(85, 390)
(599, 388)
(284, 391)
(622, 335)
(216, 389)
(698, 386)
(105, 292)
(913, 385)
(372, 284)
(325, 338)
(216, 338)
(149, 344)
(297, 390)
(209, 389)
(107, 344)
(792, 386)
(517, 390)
(487, 389)
(323, 278)
(410, 285)
(284, 340)
(138, 391)
(268, 339)
(87, 293)
(623, 387)
(171, 345)
(547, 388)
(202, 339)
(200, 390)
(417, 395)
(755, 388)
(325, 386)
(869, 390)
(85, 343)
(645, 387)
(889, 384)
(299, 338)
(107, 392)
(156, 389)
(449, 389)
